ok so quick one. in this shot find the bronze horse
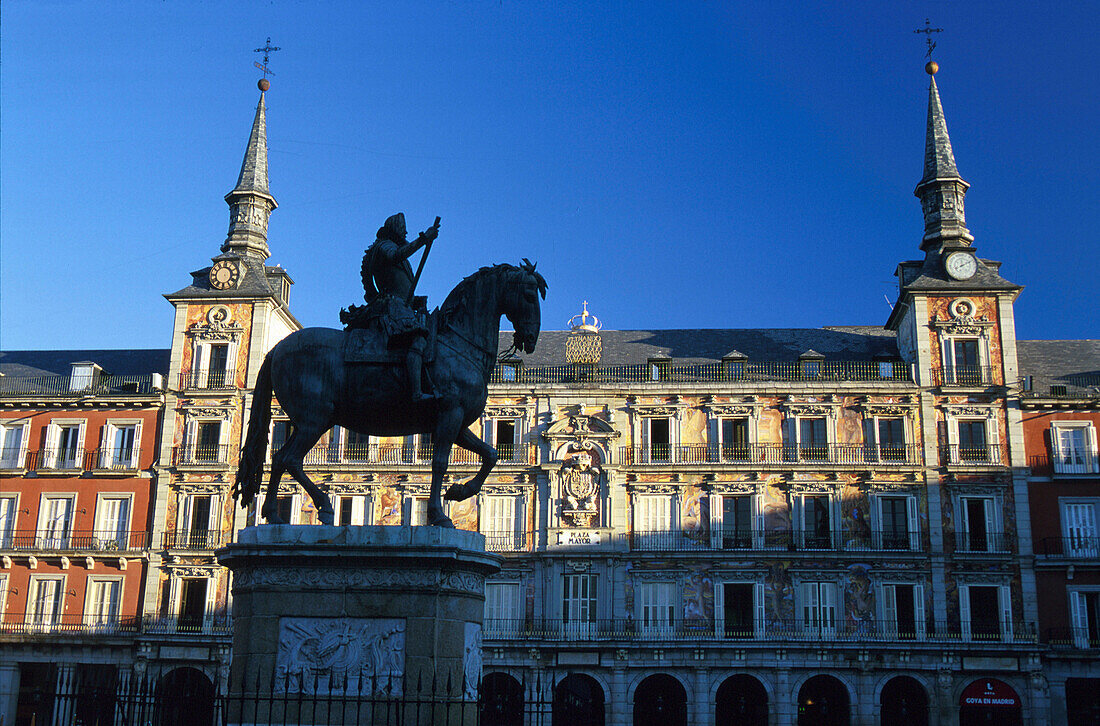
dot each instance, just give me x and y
(317, 389)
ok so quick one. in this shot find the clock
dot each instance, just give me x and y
(961, 265)
(224, 275)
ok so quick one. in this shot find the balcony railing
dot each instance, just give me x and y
(403, 454)
(51, 624)
(1077, 547)
(721, 538)
(1084, 462)
(57, 386)
(93, 540)
(733, 372)
(808, 630)
(962, 376)
(756, 454)
(972, 455)
(981, 542)
(207, 380)
(114, 459)
(204, 454)
(505, 541)
(1084, 638)
(194, 539)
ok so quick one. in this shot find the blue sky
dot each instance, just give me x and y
(704, 164)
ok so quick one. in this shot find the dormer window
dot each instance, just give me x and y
(659, 368)
(84, 375)
(811, 364)
(732, 367)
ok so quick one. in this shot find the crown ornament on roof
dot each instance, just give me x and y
(584, 345)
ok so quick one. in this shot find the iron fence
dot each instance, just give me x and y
(201, 454)
(962, 376)
(194, 539)
(53, 386)
(756, 454)
(726, 371)
(979, 542)
(972, 455)
(1078, 546)
(106, 624)
(77, 540)
(207, 380)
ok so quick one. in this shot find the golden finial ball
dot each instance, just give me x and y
(931, 67)
(265, 84)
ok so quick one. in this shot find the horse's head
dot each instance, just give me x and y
(521, 305)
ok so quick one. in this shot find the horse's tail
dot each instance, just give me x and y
(250, 472)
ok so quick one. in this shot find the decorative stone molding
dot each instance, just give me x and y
(982, 578)
(472, 660)
(194, 487)
(657, 410)
(657, 575)
(887, 409)
(318, 655)
(969, 488)
(223, 414)
(578, 565)
(506, 412)
(192, 571)
(982, 410)
(733, 487)
(653, 488)
(580, 489)
(811, 409)
(513, 489)
(345, 488)
(219, 326)
(733, 409)
(811, 487)
(370, 579)
(743, 575)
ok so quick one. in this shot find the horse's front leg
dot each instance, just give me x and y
(488, 456)
(447, 425)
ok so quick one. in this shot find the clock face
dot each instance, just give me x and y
(224, 275)
(961, 265)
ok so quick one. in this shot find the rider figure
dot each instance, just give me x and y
(388, 284)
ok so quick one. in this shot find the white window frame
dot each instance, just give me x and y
(414, 509)
(947, 357)
(1081, 534)
(52, 458)
(13, 457)
(792, 437)
(94, 618)
(192, 434)
(1086, 460)
(33, 618)
(502, 520)
(994, 525)
(3, 592)
(819, 608)
(1004, 609)
(361, 506)
(886, 602)
(185, 512)
(112, 457)
(1079, 615)
(9, 515)
(718, 524)
(503, 607)
(799, 519)
(271, 436)
(874, 446)
(489, 428)
(912, 521)
(656, 520)
(719, 437)
(759, 624)
(646, 451)
(992, 439)
(175, 596)
(117, 537)
(46, 535)
(655, 603)
(200, 358)
(582, 623)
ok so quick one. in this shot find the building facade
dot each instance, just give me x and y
(825, 526)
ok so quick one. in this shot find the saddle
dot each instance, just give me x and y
(370, 345)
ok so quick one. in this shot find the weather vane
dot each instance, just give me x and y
(927, 30)
(267, 50)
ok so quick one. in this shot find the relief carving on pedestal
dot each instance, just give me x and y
(321, 654)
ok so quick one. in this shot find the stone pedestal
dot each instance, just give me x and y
(327, 611)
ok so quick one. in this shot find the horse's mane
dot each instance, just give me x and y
(468, 288)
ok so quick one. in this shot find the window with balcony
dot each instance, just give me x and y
(578, 609)
(656, 439)
(104, 597)
(979, 532)
(206, 441)
(885, 438)
(1085, 617)
(198, 523)
(733, 439)
(192, 603)
(901, 611)
(9, 508)
(64, 445)
(213, 365)
(13, 445)
(351, 510)
(503, 609)
(498, 522)
(962, 362)
(656, 609)
(653, 521)
(356, 446)
(973, 445)
(736, 523)
(986, 612)
(818, 605)
(55, 521)
(280, 433)
(815, 517)
(503, 435)
(894, 523)
(740, 608)
(1073, 445)
(807, 439)
(44, 604)
(119, 449)
(1081, 532)
(112, 523)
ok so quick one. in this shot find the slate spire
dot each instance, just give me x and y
(250, 202)
(941, 189)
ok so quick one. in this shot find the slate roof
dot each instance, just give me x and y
(621, 347)
(1071, 363)
(59, 362)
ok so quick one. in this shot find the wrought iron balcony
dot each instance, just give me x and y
(1076, 547)
(732, 372)
(51, 624)
(114, 459)
(962, 376)
(972, 455)
(204, 454)
(803, 541)
(760, 454)
(194, 539)
(65, 386)
(981, 543)
(505, 541)
(1081, 638)
(383, 454)
(89, 541)
(207, 380)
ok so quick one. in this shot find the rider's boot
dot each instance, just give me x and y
(414, 365)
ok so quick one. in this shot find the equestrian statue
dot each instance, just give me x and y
(394, 370)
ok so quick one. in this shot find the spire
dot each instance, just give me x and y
(941, 190)
(250, 202)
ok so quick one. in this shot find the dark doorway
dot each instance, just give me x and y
(37, 686)
(578, 701)
(192, 603)
(501, 700)
(95, 704)
(184, 697)
(990, 701)
(741, 701)
(1083, 701)
(904, 703)
(823, 701)
(737, 600)
(660, 700)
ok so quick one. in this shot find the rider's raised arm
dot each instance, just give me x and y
(425, 237)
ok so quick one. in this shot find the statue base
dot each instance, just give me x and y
(359, 611)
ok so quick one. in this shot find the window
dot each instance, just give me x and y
(112, 523)
(352, 510)
(356, 446)
(8, 509)
(503, 434)
(896, 523)
(499, 523)
(972, 441)
(962, 362)
(885, 438)
(418, 511)
(119, 449)
(979, 533)
(198, 522)
(578, 611)
(64, 445)
(1079, 527)
(503, 615)
(986, 612)
(508, 372)
(192, 604)
(290, 508)
(216, 366)
(815, 521)
(104, 596)
(1073, 445)
(819, 606)
(55, 521)
(82, 376)
(280, 432)
(736, 523)
(807, 438)
(13, 445)
(1085, 617)
(44, 605)
(653, 521)
(902, 611)
(656, 439)
(734, 439)
(655, 604)
(207, 441)
(740, 608)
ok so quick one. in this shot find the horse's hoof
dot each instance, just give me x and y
(457, 492)
(326, 516)
(439, 519)
(272, 516)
